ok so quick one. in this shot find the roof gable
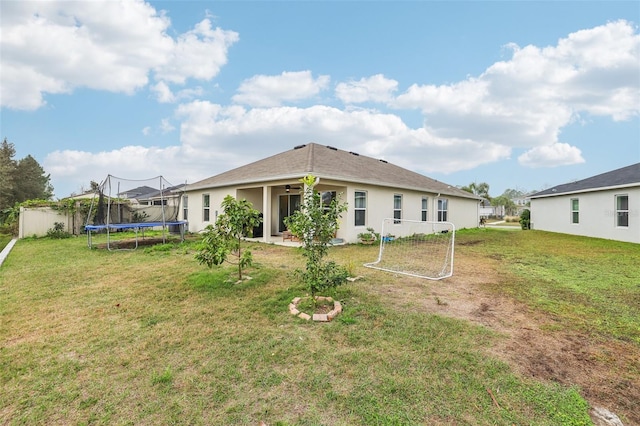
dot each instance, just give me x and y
(329, 163)
(625, 176)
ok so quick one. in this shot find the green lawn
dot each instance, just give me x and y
(4, 240)
(151, 337)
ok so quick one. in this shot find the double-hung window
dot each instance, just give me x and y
(397, 207)
(360, 208)
(575, 210)
(205, 207)
(622, 210)
(425, 209)
(443, 207)
(185, 207)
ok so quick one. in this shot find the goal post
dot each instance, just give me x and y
(416, 248)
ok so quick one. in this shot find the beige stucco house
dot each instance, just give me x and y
(373, 189)
(602, 206)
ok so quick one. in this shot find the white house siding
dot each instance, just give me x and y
(597, 214)
(462, 212)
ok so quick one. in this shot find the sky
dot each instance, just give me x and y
(518, 94)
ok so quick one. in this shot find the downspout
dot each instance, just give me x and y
(435, 210)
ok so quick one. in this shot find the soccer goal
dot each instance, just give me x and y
(416, 248)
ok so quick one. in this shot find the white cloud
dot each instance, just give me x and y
(273, 90)
(376, 88)
(198, 54)
(56, 46)
(527, 100)
(558, 154)
(166, 126)
(146, 131)
(163, 92)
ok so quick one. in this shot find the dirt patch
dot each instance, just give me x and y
(605, 371)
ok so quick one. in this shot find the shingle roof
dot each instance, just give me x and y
(329, 163)
(139, 192)
(626, 176)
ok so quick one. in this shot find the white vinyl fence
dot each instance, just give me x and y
(36, 221)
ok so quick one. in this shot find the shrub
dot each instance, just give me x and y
(58, 231)
(525, 219)
(224, 239)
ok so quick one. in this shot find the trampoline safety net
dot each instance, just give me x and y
(135, 204)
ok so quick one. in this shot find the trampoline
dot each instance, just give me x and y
(137, 227)
(124, 204)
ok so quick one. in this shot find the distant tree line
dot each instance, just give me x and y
(506, 199)
(21, 180)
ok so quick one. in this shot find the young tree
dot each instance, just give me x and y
(225, 238)
(315, 224)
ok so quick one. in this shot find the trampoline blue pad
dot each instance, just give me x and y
(132, 225)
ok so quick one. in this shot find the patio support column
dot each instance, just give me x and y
(266, 213)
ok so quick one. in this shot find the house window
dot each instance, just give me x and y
(360, 208)
(205, 207)
(185, 207)
(575, 210)
(326, 198)
(159, 202)
(397, 208)
(425, 204)
(442, 209)
(622, 210)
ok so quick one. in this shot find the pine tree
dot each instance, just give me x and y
(31, 181)
(7, 174)
(21, 180)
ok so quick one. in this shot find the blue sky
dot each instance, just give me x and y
(518, 94)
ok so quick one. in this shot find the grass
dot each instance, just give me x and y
(4, 240)
(149, 336)
(586, 284)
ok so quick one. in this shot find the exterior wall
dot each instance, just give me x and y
(196, 208)
(463, 212)
(597, 214)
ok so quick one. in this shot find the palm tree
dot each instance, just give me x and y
(480, 189)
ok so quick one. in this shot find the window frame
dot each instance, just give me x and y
(397, 211)
(206, 207)
(574, 204)
(424, 212)
(620, 212)
(185, 207)
(360, 211)
(443, 209)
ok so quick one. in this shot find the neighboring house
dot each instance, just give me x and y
(87, 195)
(521, 203)
(168, 196)
(374, 189)
(602, 206)
(488, 211)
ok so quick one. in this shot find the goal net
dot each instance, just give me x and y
(416, 248)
